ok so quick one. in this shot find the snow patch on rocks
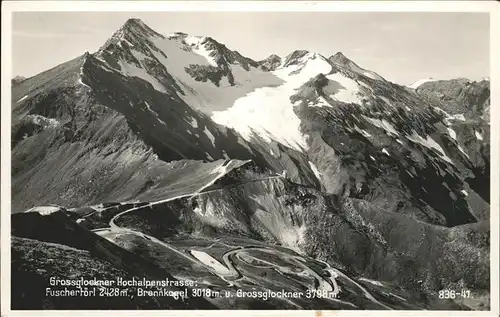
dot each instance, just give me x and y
(194, 122)
(195, 42)
(430, 143)
(209, 135)
(44, 210)
(382, 124)
(315, 170)
(479, 136)
(43, 121)
(363, 132)
(371, 281)
(452, 133)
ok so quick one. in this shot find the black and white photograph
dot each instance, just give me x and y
(313, 160)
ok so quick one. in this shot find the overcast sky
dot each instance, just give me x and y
(402, 47)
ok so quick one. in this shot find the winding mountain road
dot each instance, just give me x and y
(227, 271)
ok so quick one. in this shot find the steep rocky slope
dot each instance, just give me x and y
(350, 233)
(372, 139)
(55, 246)
(468, 102)
(459, 96)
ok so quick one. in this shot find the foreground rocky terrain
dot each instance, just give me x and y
(173, 156)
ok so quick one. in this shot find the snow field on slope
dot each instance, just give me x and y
(209, 261)
(205, 95)
(201, 95)
(132, 70)
(365, 72)
(268, 112)
(349, 91)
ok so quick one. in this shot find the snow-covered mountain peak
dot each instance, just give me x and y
(216, 53)
(137, 26)
(419, 82)
(193, 68)
(300, 66)
(298, 57)
(137, 34)
(237, 91)
(134, 29)
(132, 34)
(339, 58)
(135, 23)
(343, 61)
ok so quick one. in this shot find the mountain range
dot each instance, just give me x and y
(174, 156)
